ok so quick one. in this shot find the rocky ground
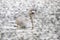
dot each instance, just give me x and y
(45, 20)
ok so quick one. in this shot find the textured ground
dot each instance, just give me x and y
(46, 19)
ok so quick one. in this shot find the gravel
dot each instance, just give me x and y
(46, 20)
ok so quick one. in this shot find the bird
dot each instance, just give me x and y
(21, 21)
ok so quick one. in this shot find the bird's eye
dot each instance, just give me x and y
(32, 13)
